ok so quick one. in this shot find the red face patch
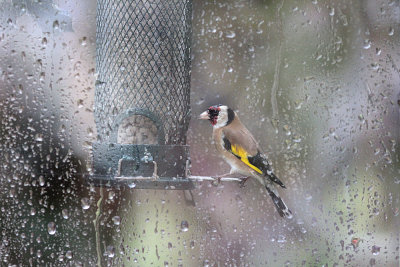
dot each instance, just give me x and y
(213, 113)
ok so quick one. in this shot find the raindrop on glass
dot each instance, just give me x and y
(44, 42)
(56, 25)
(375, 250)
(332, 12)
(85, 203)
(69, 254)
(51, 228)
(110, 251)
(116, 220)
(230, 34)
(41, 181)
(39, 138)
(391, 31)
(80, 103)
(111, 195)
(184, 226)
(367, 44)
(65, 213)
(83, 41)
(355, 241)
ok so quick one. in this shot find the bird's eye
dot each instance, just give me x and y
(213, 111)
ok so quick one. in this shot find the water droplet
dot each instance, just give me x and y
(12, 192)
(65, 213)
(116, 220)
(200, 102)
(42, 182)
(332, 11)
(375, 250)
(367, 44)
(80, 103)
(391, 31)
(69, 254)
(110, 251)
(184, 226)
(44, 42)
(83, 41)
(56, 25)
(230, 34)
(132, 185)
(281, 239)
(42, 76)
(38, 137)
(51, 228)
(355, 241)
(85, 203)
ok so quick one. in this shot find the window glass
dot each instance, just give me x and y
(315, 82)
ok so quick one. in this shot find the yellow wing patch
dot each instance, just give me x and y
(242, 154)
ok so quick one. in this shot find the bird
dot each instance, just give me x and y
(240, 150)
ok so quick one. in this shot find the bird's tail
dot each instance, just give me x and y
(280, 206)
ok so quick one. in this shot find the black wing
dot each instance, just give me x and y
(261, 163)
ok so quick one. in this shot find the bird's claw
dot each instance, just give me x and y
(217, 181)
(243, 181)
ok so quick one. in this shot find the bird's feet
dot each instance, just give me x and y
(243, 181)
(216, 181)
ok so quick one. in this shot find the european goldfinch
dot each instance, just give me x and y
(240, 150)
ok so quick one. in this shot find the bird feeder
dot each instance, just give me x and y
(142, 95)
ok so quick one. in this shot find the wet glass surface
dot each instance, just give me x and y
(316, 82)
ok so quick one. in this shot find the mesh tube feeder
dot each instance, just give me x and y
(142, 96)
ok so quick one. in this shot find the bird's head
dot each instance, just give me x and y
(218, 115)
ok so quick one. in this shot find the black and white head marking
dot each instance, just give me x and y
(220, 115)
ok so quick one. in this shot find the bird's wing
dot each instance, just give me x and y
(242, 144)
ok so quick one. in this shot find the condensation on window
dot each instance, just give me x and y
(316, 82)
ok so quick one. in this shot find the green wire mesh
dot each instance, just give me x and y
(143, 63)
(143, 92)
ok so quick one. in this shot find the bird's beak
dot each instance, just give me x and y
(204, 116)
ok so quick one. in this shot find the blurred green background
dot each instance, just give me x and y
(316, 82)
